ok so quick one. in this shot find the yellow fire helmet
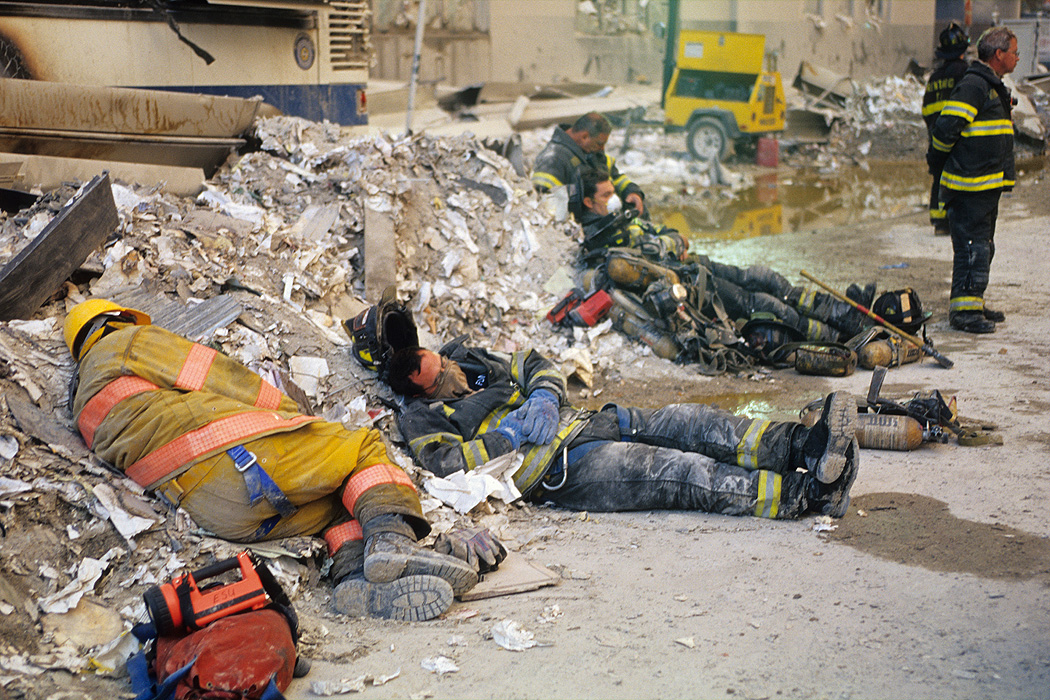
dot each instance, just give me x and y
(87, 321)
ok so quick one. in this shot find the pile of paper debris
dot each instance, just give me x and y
(279, 231)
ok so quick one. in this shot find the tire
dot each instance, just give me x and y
(707, 140)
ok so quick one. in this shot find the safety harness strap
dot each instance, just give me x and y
(258, 482)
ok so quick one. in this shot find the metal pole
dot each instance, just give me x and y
(670, 47)
(415, 64)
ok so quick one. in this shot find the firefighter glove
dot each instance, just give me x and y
(511, 427)
(539, 416)
(478, 547)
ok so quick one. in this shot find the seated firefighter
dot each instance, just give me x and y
(208, 434)
(465, 406)
(613, 238)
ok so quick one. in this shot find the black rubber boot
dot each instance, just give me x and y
(348, 559)
(833, 499)
(824, 445)
(993, 315)
(971, 322)
(391, 555)
(414, 598)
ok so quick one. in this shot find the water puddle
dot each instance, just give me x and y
(766, 406)
(919, 531)
(800, 200)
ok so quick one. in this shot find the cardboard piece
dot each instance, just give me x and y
(515, 574)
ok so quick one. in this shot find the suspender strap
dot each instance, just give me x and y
(259, 484)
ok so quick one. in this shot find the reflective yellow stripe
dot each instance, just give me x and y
(767, 505)
(747, 448)
(939, 212)
(959, 109)
(940, 145)
(966, 304)
(974, 184)
(807, 299)
(991, 127)
(932, 108)
(474, 453)
(539, 456)
(546, 180)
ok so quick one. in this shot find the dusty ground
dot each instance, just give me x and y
(935, 585)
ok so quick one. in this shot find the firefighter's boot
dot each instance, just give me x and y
(392, 555)
(833, 499)
(414, 598)
(822, 449)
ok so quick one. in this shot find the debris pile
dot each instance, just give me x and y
(280, 230)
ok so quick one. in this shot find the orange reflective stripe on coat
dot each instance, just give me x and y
(220, 434)
(96, 410)
(269, 396)
(375, 475)
(338, 535)
(195, 369)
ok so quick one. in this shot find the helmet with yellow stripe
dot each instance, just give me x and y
(89, 320)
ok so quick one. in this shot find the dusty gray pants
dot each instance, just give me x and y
(681, 457)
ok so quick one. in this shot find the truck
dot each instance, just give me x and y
(721, 93)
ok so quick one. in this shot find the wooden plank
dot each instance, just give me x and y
(39, 270)
(380, 252)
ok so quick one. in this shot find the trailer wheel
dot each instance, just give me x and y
(707, 140)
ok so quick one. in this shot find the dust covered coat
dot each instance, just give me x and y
(682, 456)
(164, 410)
(460, 434)
(560, 163)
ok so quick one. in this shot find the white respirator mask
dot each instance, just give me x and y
(614, 204)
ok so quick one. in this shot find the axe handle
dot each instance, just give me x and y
(925, 347)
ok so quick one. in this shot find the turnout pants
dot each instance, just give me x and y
(327, 472)
(682, 457)
(971, 219)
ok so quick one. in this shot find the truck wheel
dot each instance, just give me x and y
(707, 140)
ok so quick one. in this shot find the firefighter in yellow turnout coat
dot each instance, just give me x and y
(212, 436)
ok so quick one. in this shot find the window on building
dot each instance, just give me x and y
(603, 17)
(879, 8)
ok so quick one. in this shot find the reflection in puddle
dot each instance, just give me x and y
(752, 405)
(801, 200)
(920, 531)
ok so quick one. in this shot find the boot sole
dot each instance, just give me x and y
(837, 509)
(839, 414)
(382, 567)
(413, 598)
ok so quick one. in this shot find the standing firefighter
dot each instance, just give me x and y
(210, 435)
(972, 141)
(573, 148)
(954, 43)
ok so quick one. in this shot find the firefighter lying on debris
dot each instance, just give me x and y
(632, 254)
(466, 406)
(210, 435)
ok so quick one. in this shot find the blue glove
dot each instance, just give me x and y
(539, 416)
(512, 428)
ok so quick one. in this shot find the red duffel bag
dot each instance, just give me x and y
(233, 658)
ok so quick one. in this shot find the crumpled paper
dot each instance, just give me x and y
(462, 491)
